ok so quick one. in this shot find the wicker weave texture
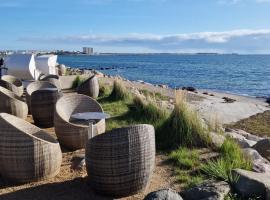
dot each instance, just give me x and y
(33, 87)
(27, 153)
(12, 104)
(121, 162)
(90, 87)
(71, 135)
(53, 79)
(12, 83)
(43, 107)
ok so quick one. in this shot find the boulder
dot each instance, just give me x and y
(164, 194)
(247, 135)
(241, 140)
(260, 164)
(217, 139)
(263, 147)
(251, 184)
(191, 89)
(268, 100)
(214, 190)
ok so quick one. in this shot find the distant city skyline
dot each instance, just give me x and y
(137, 26)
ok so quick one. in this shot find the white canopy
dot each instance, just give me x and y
(22, 66)
(47, 64)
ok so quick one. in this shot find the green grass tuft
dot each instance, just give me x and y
(184, 127)
(77, 82)
(120, 92)
(231, 158)
(185, 158)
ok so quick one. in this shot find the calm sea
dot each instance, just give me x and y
(239, 74)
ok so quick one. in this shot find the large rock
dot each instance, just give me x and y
(251, 184)
(208, 191)
(260, 164)
(240, 139)
(263, 147)
(247, 135)
(165, 194)
(268, 100)
(217, 139)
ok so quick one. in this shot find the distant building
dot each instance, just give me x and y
(88, 50)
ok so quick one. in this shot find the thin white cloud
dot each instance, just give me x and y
(241, 41)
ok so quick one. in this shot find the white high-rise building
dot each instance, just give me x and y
(88, 50)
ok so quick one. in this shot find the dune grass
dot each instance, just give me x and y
(231, 157)
(126, 109)
(120, 92)
(184, 127)
(77, 82)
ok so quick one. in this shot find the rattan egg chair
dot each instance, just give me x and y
(121, 162)
(27, 153)
(70, 134)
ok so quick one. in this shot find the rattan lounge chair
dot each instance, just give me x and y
(89, 87)
(70, 134)
(12, 83)
(53, 79)
(43, 107)
(27, 153)
(33, 87)
(12, 104)
(121, 162)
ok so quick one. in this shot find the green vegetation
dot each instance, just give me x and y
(120, 92)
(258, 124)
(185, 158)
(153, 95)
(127, 111)
(184, 127)
(187, 164)
(77, 82)
(231, 157)
(181, 128)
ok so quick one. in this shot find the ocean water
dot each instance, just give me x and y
(238, 74)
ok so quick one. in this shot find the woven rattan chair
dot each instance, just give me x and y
(120, 162)
(12, 83)
(71, 135)
(43, 106)
(90, 87)
(27, 153)
(12, 104)
(53, 79)
(33, 87)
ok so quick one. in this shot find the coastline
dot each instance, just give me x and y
(209, 106)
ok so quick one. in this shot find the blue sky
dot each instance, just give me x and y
(241, 26)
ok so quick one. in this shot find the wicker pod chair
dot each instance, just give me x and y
(89, 87)
(53, 79)
(70, 134)
(12, 104)
(43, 107)
(27, 153)
(13, 84)
(37, 85)
(121, 162)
